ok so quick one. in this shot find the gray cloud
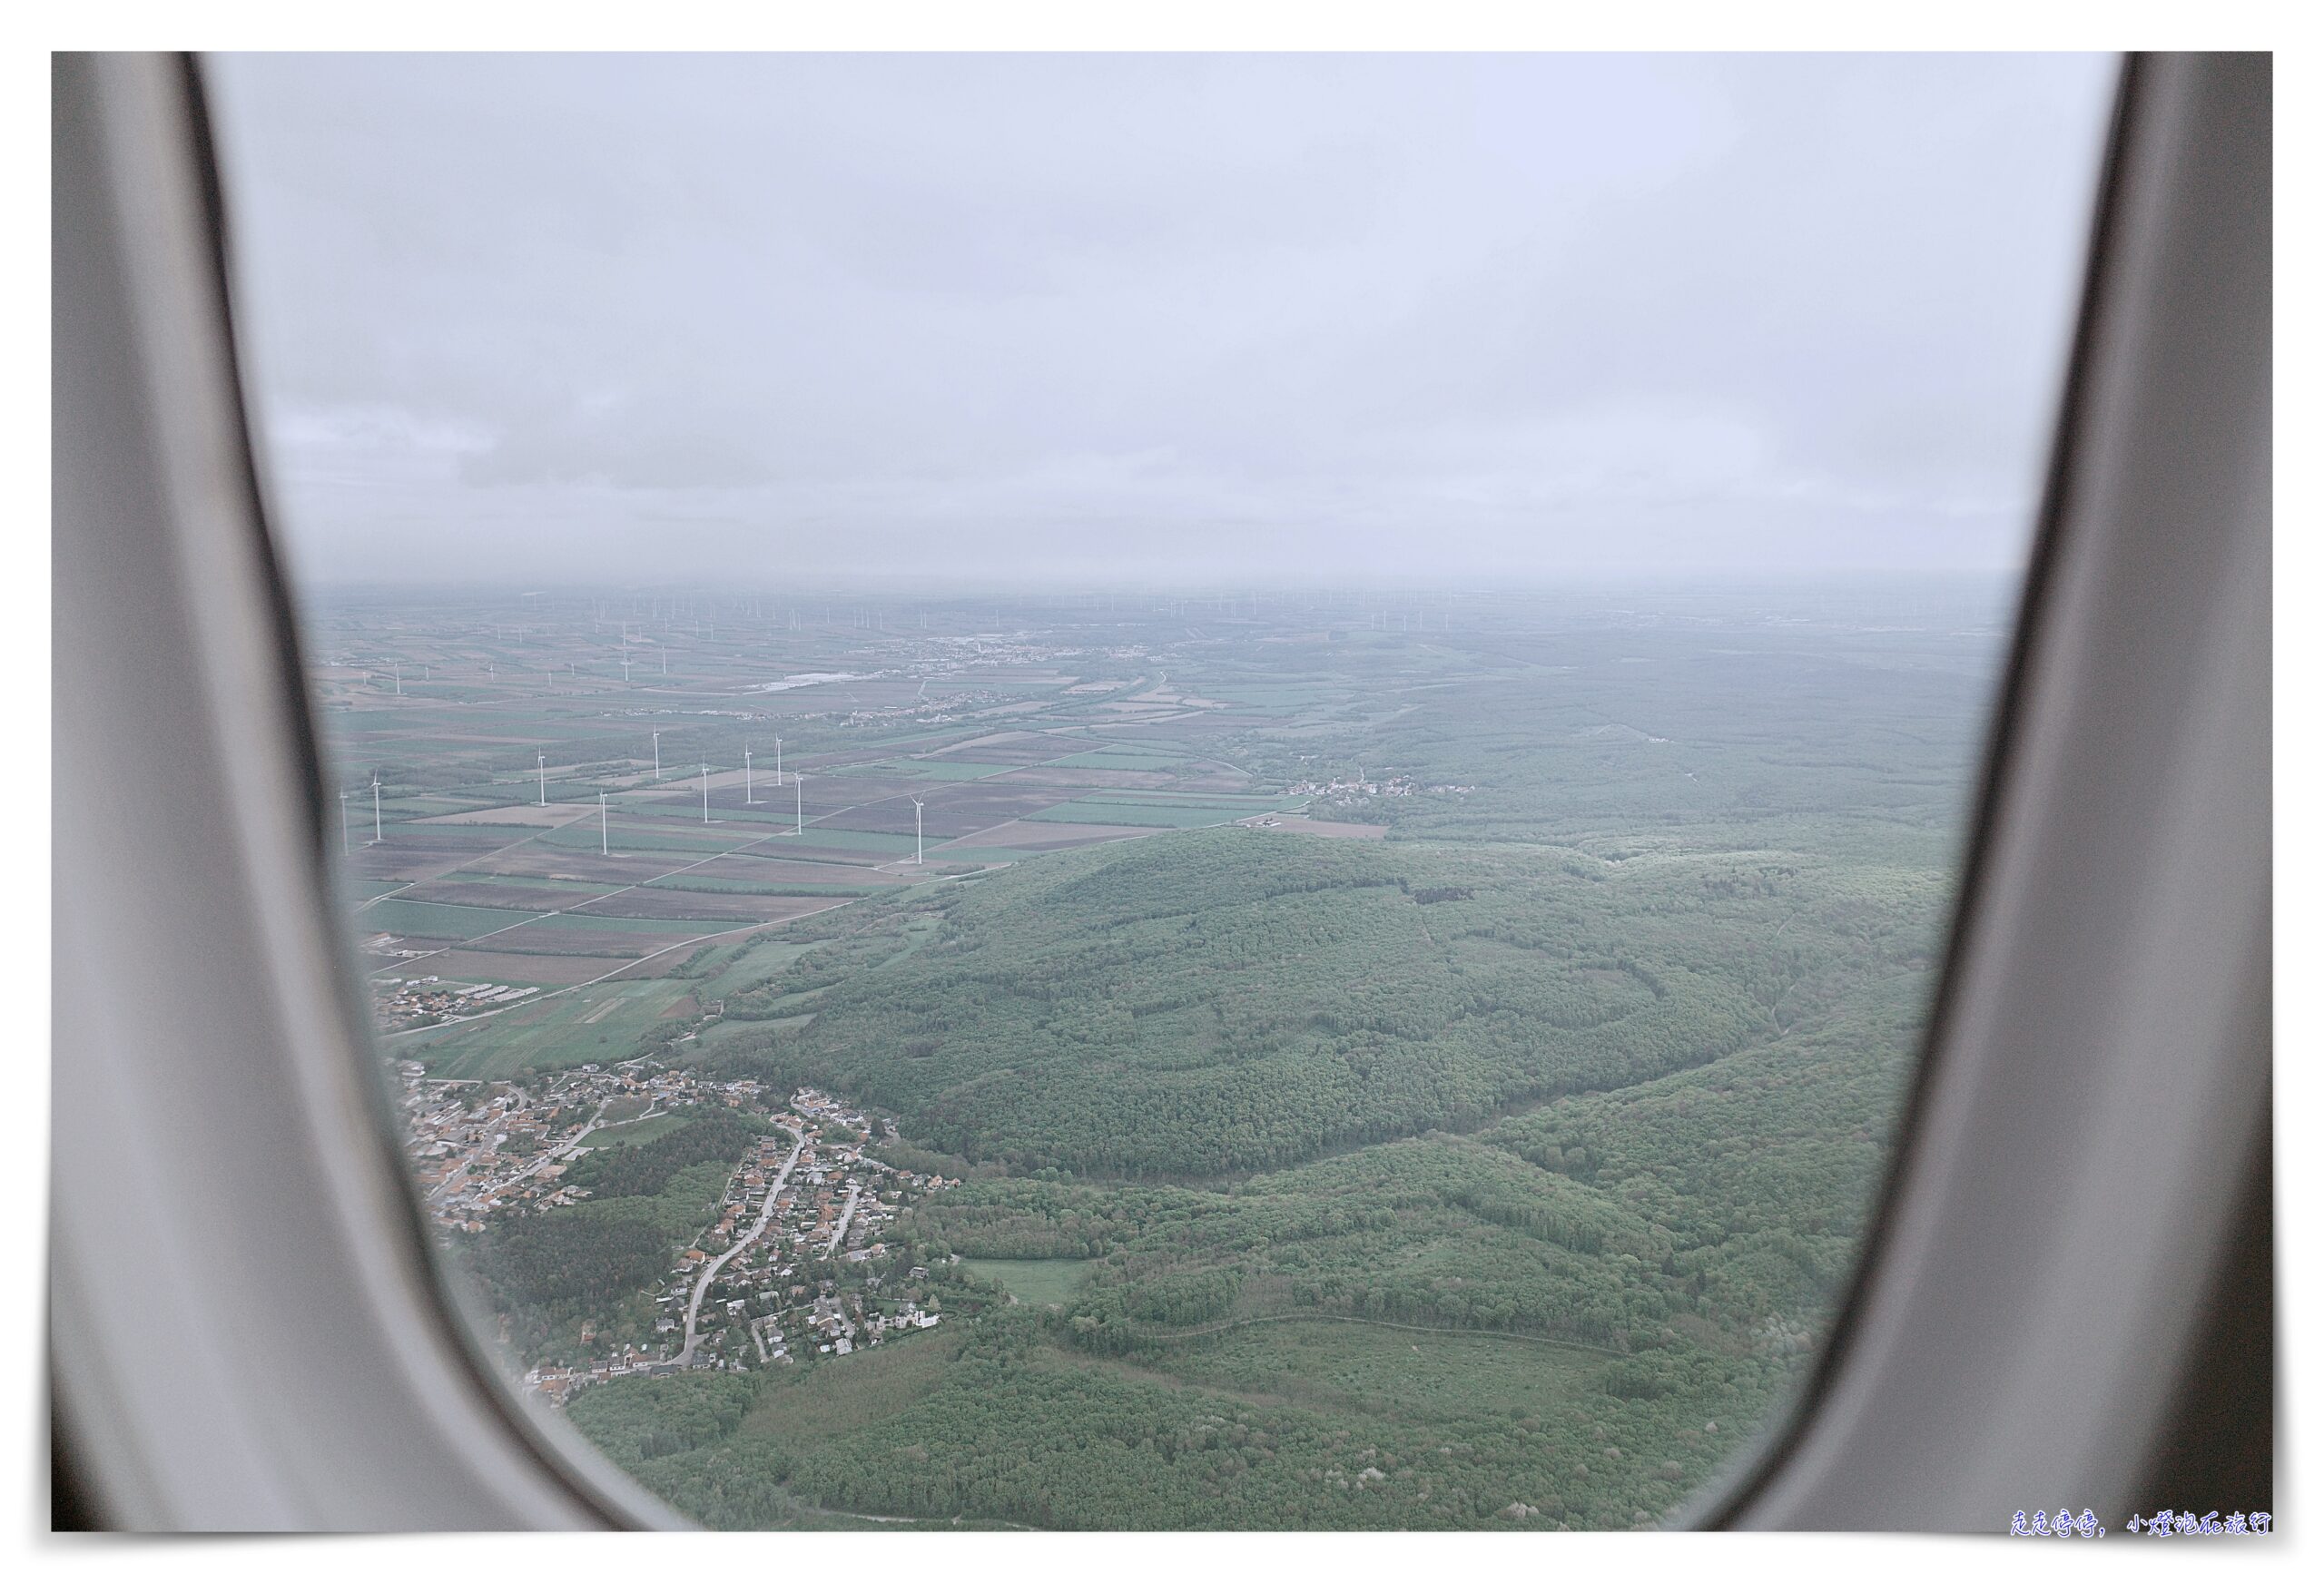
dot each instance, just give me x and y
(768, 318)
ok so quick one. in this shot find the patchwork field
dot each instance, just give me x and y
(521, 814)
(1019, 835)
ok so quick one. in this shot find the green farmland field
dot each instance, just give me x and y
(1037, 1281)
(602, 1022)
(756, 958)
(630, 1134)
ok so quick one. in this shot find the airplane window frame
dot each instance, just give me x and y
(2167, 311)
(148, 304)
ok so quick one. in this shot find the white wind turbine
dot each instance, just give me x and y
(919, 851)
(657, 755)
(377, 834)
(542, 764)
(798, 805)
(748, 801)
(605, 840)
(706, 794)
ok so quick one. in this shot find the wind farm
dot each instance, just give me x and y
(933, 745)
(913, 754)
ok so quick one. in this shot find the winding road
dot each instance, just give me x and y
(710, 1270)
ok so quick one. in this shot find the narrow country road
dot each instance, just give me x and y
(854, 1192)
(710, 1270)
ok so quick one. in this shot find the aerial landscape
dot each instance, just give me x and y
(1238, 821)
(1275, 1057)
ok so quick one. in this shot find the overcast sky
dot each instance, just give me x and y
(761, 320)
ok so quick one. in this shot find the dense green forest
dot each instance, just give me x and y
(1214, 1001)
(1578, 1311)
(1520, 1204)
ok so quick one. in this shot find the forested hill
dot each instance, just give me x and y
(1215, 1001)
(1567, 1319)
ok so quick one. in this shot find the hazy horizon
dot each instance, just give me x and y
(896, 322)
(1678, 582)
